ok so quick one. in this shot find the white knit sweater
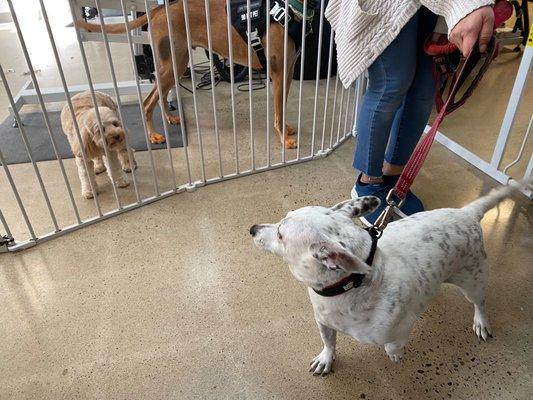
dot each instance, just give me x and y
(364, 28)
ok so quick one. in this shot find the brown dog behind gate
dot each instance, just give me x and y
(219, 34)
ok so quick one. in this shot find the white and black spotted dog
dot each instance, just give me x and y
(380, 303)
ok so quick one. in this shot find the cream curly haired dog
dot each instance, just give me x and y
(92, 140)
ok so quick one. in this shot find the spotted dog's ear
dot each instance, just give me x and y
(357, 207)
(333, 256)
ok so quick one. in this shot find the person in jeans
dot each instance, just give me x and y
(386, 37)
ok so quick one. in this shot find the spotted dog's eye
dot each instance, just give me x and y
(115, 124)
(279, 236)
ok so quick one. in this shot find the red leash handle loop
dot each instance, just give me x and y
(439, 46)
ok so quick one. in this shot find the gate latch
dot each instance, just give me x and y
(5, 242)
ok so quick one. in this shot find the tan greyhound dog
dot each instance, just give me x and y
(219, 34)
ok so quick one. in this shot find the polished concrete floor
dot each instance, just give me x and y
(173, 301)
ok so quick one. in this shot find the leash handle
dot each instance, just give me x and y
(468, 66)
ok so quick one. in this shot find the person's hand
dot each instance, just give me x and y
(479, 24)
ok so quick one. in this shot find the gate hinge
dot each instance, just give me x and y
(5, 242)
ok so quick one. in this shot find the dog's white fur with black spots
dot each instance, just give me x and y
(413, 257)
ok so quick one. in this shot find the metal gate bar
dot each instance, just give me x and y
(140, 100)
(193, 82)
(318, 64)
(284, 85)
(250, 75)
(117, 95)
(267, 23)
(162, 100)
(172, 41)
(322, 143)
(302, 64)
(232, 86)
(213, 84)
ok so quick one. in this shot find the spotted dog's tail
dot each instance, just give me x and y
(479, 207)
(113, 28)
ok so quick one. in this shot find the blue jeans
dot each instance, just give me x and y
(399, 99)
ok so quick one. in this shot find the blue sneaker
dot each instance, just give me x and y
(412, 203)
(378, 190)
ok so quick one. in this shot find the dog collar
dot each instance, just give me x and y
(352, 280)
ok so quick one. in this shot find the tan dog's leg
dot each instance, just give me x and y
(276, 69)
(149, 103)
(99, 166)
(163, 56)
(172, 119)
(152, 100)
(86, 177)
(182, 57)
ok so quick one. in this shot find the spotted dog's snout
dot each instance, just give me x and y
(254, 229)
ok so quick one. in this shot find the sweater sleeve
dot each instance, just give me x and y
(454, 10)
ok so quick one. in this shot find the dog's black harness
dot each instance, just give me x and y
(258, 17)
(352, 280)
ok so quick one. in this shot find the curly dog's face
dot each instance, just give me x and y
(113, 130)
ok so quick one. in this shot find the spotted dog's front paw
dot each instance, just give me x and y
(481, 328)
(396, 357)
(321, 364)
(394, 351)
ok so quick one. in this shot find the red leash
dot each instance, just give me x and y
(421, 151)
(457, 80)
(397, 194)
(443, 74)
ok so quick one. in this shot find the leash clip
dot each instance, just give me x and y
(391, 202)
(383, 220)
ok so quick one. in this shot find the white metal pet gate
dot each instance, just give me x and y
(203, 159)
(230, 146)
